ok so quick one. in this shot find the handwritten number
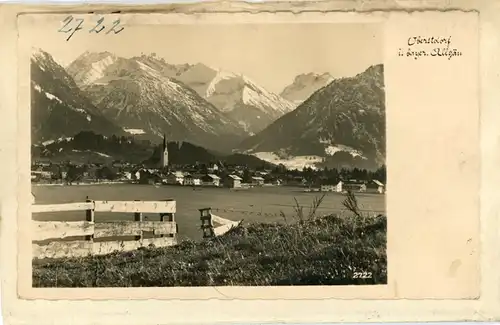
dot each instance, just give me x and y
(99, 27)
(116, 31)
(99, 22)
(78, 27)
(67, 21)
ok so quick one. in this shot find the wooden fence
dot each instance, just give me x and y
(54, 231)
(207, 223)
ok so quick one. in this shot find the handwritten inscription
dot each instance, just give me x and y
(71, 25)
(421, 47)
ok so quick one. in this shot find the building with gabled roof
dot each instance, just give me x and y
(210, 180)
(232, 181)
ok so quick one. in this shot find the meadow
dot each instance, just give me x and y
(306, 248)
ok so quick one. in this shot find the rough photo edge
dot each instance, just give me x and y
(486, 309)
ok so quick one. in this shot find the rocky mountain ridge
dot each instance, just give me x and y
(59, 108)
(342, 124)
(143, 100)
(235, 95)
(304, 85)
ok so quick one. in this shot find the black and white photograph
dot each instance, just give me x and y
(207, 155)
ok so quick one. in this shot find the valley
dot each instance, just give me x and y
(317, 121)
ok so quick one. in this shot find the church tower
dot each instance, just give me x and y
(164, 153)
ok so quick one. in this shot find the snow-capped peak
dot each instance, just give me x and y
(251, 93)
(255, 95)
(90, 67)
(98, 68)
(221, 75)
(304, 85)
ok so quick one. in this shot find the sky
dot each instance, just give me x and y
(270, 54)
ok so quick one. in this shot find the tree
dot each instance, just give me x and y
(247, 177)
(106, 173)
(281, 169)
(74, 174)
(56, 173)
(381, 174)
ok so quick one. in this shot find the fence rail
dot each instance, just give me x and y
(55, 231)
(167, 206)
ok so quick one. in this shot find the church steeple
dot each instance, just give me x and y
(164, 153)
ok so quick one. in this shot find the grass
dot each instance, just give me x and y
(306, 249)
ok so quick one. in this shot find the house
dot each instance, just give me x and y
(233, 181)
(353, 186)
(257, 181)
(210, 180)
(192, 180)
(261, 173)
(376, 185)
(136, 175)
(213, 168)
(143, 176)
(147, 177)
(330, 185)
(175, 178)
(41, 174)
(330, 188)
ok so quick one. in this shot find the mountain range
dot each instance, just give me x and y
(143, 100)
(342, 123)
(317, 120)
(239, 97)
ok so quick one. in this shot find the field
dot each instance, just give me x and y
(253, 205)
(306, 249)
(288, 237)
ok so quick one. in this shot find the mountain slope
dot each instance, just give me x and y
(235, 95)
(343, 124)
(58, 107)
(143, 100)
(304, 85)
(89, 147)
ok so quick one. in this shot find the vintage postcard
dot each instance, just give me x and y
(212, 154)
(227, 163)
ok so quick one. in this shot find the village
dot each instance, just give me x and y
(214, 175)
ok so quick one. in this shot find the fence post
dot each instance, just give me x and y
(169, 217)
(138, 218)
(207, 225)
(90, 217)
